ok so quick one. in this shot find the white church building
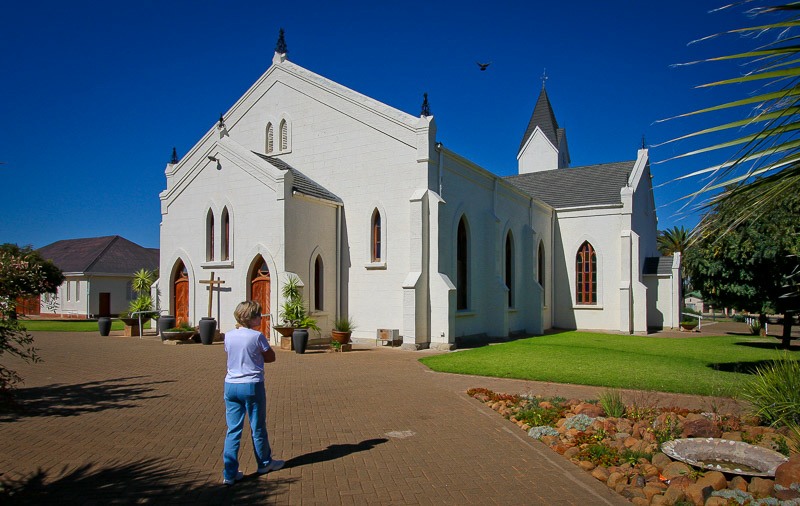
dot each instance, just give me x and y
(382, 223)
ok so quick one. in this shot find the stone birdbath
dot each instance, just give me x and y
(725, 456)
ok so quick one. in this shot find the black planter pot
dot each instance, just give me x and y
(164, 323)
(208, 330)
(300, 340)
(104, 325)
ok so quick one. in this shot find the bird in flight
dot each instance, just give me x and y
(483, 65)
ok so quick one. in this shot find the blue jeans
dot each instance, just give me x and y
(252, 399)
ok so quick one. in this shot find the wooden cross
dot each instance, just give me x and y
(211, 282)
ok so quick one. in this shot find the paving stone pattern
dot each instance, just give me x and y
(126, 420)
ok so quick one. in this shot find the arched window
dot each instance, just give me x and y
(510, 268)
(462, 266)
(284, 135)
(586, 275)
(376, 236)
(226, 234)
(540, 265)
(210, 235)
(270, 139)
(318, 284)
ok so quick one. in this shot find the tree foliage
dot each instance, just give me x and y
(673, 240)
(748, 266)
(23, 273)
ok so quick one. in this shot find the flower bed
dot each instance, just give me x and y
(624, 452)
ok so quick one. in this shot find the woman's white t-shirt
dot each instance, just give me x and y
(245, 360)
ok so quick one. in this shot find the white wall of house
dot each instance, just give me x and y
(537, 154)
(78, 296)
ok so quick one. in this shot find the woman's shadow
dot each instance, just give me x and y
(333, 452)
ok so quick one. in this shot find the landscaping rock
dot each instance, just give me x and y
(640, 501)
(714, 479)
(661, 461)
(586, 465)
(674, 494)
(615, 478)
(650, 491)
(700, 427)
(698, 494)
(732, 436)
(675, 470)
(788, 472)
(716, 501)
(591, 410)
(600, 473)
(760, 487)
(570, 453)
(738, 483)
(658, 500)
(786, 494)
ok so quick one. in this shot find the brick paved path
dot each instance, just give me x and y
(125, 420)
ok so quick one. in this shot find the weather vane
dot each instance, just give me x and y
(544, 77)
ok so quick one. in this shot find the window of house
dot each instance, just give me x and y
(462, 266)
(284, 135)
(67, 284)
(270, 147)
(318, 284)
(77, 291)
(376, 236)
(586, 275)
(210, 235)
(540, 265)
(509, 274)
(226, 234)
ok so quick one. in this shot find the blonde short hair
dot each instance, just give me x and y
(246, 311)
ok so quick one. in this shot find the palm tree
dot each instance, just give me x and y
(674, 240)
(765, 164)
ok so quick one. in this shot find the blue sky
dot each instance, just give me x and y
(95, 94)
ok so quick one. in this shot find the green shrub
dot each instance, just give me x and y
(536, 415)
(774, 392)
(612, 404)
(738, 318)
(600, 455)
(755, 328)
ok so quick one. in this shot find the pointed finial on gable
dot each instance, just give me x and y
(174, 158)
(426, 108)
(644, 144)
(221, 124)
(544, 77)
(280, 47)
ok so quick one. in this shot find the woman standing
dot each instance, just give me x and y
(248, 350)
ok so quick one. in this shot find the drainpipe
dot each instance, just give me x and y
(439, 146)
(88, 298)
(338, 312)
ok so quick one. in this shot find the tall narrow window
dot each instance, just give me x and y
(318, 284)
(210, 235)
(270, 139)
(586, 275)
(540, 266)
(376, 236)
(284, 135)
(462, 266)
(510, 268)
(226, 234)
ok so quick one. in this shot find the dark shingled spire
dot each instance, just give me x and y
(426, 108)
(280, 47)
(544, 118)
(174, 158)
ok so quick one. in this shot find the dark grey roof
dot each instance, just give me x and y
(302, 184)
(543, 117)
(111, 255)
(657, 266)
(577, 186)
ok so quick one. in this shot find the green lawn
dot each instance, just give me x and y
(700, 365)
(71, 325)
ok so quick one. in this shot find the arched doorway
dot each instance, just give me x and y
(180, 294)
(260, 290)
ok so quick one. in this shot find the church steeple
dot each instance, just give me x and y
(551, 141)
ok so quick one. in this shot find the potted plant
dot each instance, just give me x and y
(293, 314)
(104, 325)
(141, 283)
(688, 325)
(343, 328)
(182, 332)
